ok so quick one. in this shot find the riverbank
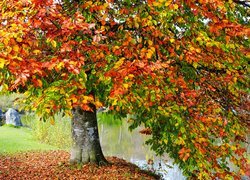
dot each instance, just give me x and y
(55, 165)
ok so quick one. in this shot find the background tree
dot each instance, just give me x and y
(180, 67)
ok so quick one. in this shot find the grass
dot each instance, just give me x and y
(14, 140)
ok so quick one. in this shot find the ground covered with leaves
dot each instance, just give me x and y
(55, 165)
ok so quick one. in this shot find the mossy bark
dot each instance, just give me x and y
(86, 144)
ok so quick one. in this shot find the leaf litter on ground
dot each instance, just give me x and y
(55, 165)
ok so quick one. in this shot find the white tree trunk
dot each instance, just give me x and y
(86, 144)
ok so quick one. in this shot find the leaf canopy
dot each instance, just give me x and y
(180, 67)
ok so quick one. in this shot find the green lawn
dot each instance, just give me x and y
(13, 140)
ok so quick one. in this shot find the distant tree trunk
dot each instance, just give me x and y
(86, 144)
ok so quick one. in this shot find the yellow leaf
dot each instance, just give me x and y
(68, 113)
(140, 40)
(6, 41)
(62, 91)
(89, 3)
(53, 43)
(232, 46)
(74, 99)
(131, 76)
(200, 140)
(106, 5)
(4, 87)
(149, 54)
(172, 40)
(129, 25)
(137, 25)
(233, 148)
(36, 51)
(14, 25)
(40, 83)
(60, 65)
(125, 85)
(198, 39)
(19, 39)
(152, 49)
(52, 121)
(180, 141)
(168, 3)
(89, 98)
(98, 104)
(8, 49)
(209, 44)
(119, 63)
(85, 101)
(47, 110)
(150, 43)
(2, 62)
(180, 20)
(235, 79)
(48, 40)
(195, 64)
(160, 108)
(18, 58)
(2, 33)
(191, 48)
(15, 48)
(176, 6)
(114, 102)
(116, 47)
(218, 65)
(68, 103)
(198, 50)
(155, 3)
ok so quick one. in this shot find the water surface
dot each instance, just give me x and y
(117, 140)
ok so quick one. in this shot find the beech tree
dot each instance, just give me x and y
(179, 67)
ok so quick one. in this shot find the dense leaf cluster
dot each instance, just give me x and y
(179, 67)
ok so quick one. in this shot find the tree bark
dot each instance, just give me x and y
(86, 144)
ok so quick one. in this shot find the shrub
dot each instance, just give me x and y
(56, 133)
(8, 101)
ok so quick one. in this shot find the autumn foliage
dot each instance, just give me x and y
(180, 67)
(55, 165)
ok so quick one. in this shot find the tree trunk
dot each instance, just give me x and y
(86, 144)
